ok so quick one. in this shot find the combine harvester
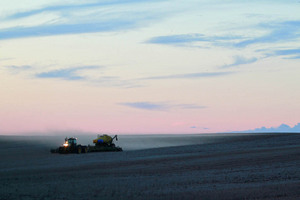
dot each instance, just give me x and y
(102, 143)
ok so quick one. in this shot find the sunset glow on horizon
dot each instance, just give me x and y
(134, 67)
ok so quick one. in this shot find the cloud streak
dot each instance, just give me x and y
(82, 18)
(239, 60)
(281, 128)
(277, 32)
(159, 106)
(76, 74)
(146, 105)
(14, 69)
(178, 39)
(190, 39)
(189, 106)
(62, 29)
(274, 33)
(292, 53)
(66, 74)
(189, 76)
(72, 7)
(18, 68)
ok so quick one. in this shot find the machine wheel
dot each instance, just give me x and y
(61, 150)
(85, 150)
(79, 150)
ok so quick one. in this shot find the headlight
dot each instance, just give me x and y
(65, 145)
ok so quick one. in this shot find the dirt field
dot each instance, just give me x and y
(237, 166)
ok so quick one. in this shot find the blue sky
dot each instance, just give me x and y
(149, 66)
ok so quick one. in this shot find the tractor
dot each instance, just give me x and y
(71, 146)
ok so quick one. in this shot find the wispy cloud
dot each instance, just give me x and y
(178, 39)
(196, 127)
(294, 57)
(14, 69)
(95, 79)
(291, 53)
(191, 39)
(62, 29)
(19, 68)
(72, 7)
(87, 74)
(99, 79)
(272, 33)
(92, 19)
(66, 74)
(189, 76)
(146, 105)
(278, 32)
(281, 128)
(160, 106)
(239, 60)
(115, 81)
(189, 106)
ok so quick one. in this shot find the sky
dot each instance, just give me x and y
(139, 66)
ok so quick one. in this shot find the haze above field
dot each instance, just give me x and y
(149, 66)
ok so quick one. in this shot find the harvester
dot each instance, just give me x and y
(71, 146)
(104, 143)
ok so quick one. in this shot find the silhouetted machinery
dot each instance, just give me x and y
(71, 146)
(104, 143)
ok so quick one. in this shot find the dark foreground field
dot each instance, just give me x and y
(257, 166)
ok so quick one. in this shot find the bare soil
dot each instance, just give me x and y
(240, 166)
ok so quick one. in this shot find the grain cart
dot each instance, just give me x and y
(104, 143)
